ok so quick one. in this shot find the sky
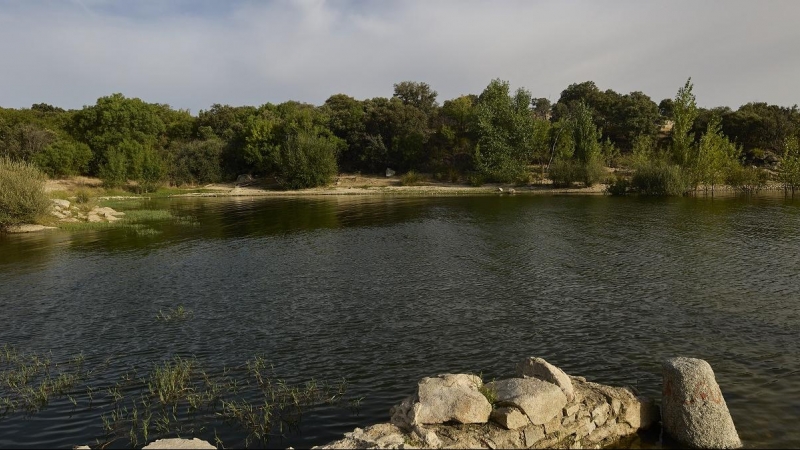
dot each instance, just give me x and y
(192, 54)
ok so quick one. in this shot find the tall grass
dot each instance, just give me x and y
(22, 196)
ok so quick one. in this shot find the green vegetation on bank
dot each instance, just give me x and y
(669, 147)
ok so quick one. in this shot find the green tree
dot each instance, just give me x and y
(22, 196)
(789, 173)
(716, 156)
(64, 157)
(684, 112)
(505, 132)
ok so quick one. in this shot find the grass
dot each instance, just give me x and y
(176, 396)
(411, 178)
(22, 196)
(172, 315)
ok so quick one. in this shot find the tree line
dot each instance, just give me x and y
(497, 136)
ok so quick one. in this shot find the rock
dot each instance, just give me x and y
(509, 418)
(543, 370)
(70, 220)
(499, 189)
(538, 399)
(694, 412)
(512, 191)
(58, 214)
(451, 397)
(64, 204)
(244, 178)
(92, 217)
(178, 444)
(27, 228)
(106, 212)
(382, 435)
(390, 172)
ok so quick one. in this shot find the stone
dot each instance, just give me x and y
(509, 418)
(553, 425)
(616, 406)
(382, 435)
(26, 228)
(533, 434)
(499, 189)
(64, 204)
(178, 444)
(538, 399)
(106, 212)
(571, 410)
(694, 412)
(244, 178)
(58, 214)
(428, 437)
(543, 370)
(600, 414)
(451, 397)
(93, 218)
(70, 220)
(390, 172)
(512, 191)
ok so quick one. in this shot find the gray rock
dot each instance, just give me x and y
(26, 228)
(539, 400)
(64, 204)
(390, 172)
(693, 410)
(451, 397)
(543, 370)
(509, 418)
(244, 178)
(178, 444)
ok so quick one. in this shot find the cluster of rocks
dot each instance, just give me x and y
(543, 407)
(66, 212)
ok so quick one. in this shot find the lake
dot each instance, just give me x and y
(386, 290)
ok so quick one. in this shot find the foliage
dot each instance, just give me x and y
(566, 172)
(505, 129)
(308, 159)
(410, 178)
(64, 158)
(22, 196)
(684, 112)
(195, 162)
(789, 173)
(746, 179)
(716, 156)
(659, 177)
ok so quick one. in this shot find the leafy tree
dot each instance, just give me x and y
(505, 130)
(114, 170)
(716, 156)
(418, 95)
(789, 173)
(685, 112)
(195, 161)
(308, 159)
(22, 195)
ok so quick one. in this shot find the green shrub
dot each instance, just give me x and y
(410, 178)
(114, 171)
(746, 179)
(660, 178)
(565, 173)
(619, 186)
(476, 179)
(307, 160)
(82, 196)
(64, 158)
(22, 196)
(195, 162)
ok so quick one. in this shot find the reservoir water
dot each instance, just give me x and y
(386, 290)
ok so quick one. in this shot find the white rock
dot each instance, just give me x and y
(27, 228)
(178, 444)
(390, 172)
(539, 400)
(543, 370)
(451, 397)
(509, 418)
(61, 203)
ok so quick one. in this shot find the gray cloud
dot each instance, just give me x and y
(192, 55)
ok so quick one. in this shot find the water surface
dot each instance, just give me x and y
(386, 290)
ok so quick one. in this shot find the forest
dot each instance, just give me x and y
(587, 136)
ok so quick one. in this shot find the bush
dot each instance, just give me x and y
(114, 172)
(307, 160)
(476, 179)
(410, 178)
(660, 178)
(619, 186)
(64, 158)
(22, 196)
(746, 179)
(565, 173)
(196, 162)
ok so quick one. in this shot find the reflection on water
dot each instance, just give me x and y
(386, 290)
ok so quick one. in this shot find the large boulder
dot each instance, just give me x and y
(538, 399)
(543, 370)
(444, 398)
(694, 412)
(178, 443)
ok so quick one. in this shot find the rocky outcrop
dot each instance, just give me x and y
(445, 398)
(66, 212)
(543, 370)
(596, 416)
(538, 399)
(178, 444)
(694, 410)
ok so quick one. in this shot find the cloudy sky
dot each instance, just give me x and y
(194, 53)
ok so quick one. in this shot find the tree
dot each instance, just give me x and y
(418, 95)
(789, 173)
(587, 149)
(64, 157)
(716, 156)
(685, 112)
(505, 132)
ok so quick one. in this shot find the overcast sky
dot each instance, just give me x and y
(194, 53)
